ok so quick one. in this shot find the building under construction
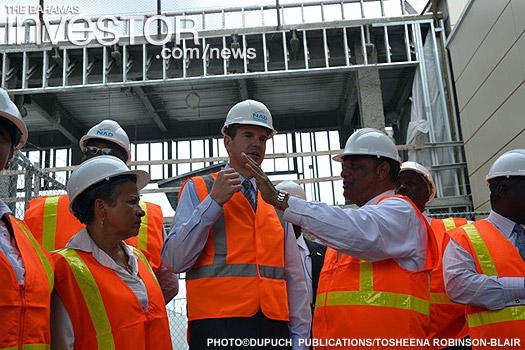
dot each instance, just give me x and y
(323, 68)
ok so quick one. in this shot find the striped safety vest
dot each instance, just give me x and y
(241, 268)
(53, 225)
(24, 308)
(447, 319)
(357, 299)
(494, 255)
(104, 311)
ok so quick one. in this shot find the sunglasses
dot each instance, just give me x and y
(93, 151)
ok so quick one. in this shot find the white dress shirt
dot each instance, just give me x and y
(390, 229)
(62, 336)
(8, 246)
(306, 258)
(189, 234)
(466, 286)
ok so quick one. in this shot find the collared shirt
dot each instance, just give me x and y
(9, 247)
(189, 234)
(306, 258)
(62, 335)
(390, 229)
(466, 286)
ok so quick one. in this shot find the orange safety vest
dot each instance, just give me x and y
(494, 255)
(241, 268)
(53, 225)
(104, 311)
(362, 300)
(24, 308)
(447, 319)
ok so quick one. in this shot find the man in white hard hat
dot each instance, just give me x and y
(53, 225)
(312, 253)
(374, 282)
(447, 319)
(26, 271)
(244, 277)
(483, 264)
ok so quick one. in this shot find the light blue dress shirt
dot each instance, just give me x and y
(466, 286)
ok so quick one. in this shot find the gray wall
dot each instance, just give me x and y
(487, 51)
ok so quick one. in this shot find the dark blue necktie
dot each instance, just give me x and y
(520, 240)
(247, 191)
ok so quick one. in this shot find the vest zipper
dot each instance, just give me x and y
(22, 314)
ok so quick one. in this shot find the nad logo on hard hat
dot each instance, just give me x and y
(259, 115)
(103, 132)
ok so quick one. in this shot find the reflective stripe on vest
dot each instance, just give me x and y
(220, 268)
(511, 313)
(449, 224)
(88, 286)
(145, 261)
(142, 238)
(45, 263)
(50, 223)
(441, 298)
(366, 296)
(29, 347)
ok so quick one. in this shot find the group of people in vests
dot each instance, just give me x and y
(93, 269)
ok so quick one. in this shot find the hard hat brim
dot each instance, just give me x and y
(255, 123)
(339, 157)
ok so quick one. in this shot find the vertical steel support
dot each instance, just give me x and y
(64, 67)
(45, 64)
(326, 51)
(84, 65)
(204, 65)
(347, 55)
(24, 69)
(387, 45)
(305, 49)
(104, 65)
(144, 61)
(124, 63)
(245, 59)
(407, 43)
(285, 52)
(363, 46)
(224, 62)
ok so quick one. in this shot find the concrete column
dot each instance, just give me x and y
(369, 93)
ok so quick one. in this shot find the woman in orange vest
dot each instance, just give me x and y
(26, 271)
(107, 296)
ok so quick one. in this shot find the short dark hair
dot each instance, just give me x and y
(108, 191)
(12, 129)
(232, 129)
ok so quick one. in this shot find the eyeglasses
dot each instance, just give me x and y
(93, 151)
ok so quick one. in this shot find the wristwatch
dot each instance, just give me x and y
(280, 199)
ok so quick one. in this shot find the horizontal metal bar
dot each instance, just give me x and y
(451, 166)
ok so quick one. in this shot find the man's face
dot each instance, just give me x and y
(414, 187)
(99, 147)
(516, 199)
(249, 139)
(359, 179)
(6, 148)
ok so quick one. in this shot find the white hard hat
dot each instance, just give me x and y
(369, 141)
(98, 169)
(420, 169)
(249, 112)
(292, 188)
(511, 163)
(9, 111)
(109, 130)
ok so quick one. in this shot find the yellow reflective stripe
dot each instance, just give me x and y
(449, 224)
(366, 296)
(142, 239)
(145, 261)
(440, 298)
(511, 313)
(384, 299)
(366, 276)
(36, 347)
(45, 263)
(482, 252)
(50, 223)
(319, 300)
(92, 297)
